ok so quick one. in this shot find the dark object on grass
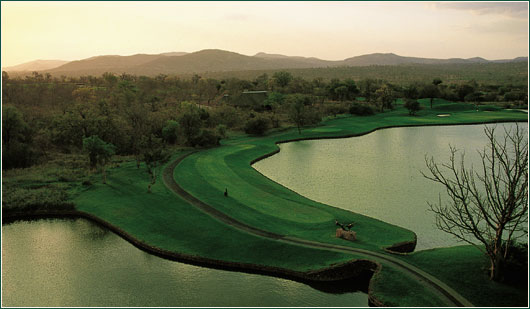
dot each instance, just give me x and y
(339, 224)
(226, 192)
(349, 226)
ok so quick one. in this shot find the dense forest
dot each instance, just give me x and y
(142, 116)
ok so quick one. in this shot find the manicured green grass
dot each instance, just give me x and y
(162, 219)
(394, 289)
(258, 201)
(465, 269)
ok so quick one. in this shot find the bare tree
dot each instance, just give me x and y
(489, 204)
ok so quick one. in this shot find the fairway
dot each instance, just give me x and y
(260, 202)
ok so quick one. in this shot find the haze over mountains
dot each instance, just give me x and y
(214, 60)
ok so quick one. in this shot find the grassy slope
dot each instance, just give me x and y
(164, 220)
(463, 267)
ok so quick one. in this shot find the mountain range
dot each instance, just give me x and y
(214, 60)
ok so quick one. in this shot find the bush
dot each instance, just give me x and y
(257, 125)
(312, 117)
(44, 198)
(170, 131)
(335, 109)
(206, 138)
(514, 96)
(221, 130)
(516, 264)
(412, 105)
(18, 155)
(361, 109)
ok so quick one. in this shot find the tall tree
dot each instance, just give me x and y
(282, 78)
(153, 152)
(296, 110)
(412, 105)
(429, 91)
(190, 121)
(385, 96)
(489, 205)
(99, 153)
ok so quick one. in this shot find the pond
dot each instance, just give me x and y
(378, 174)
(71, 263)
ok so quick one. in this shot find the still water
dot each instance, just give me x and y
(379, 174)
(77, 263)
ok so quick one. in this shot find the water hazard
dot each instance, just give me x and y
(379, 174)
(77, 263)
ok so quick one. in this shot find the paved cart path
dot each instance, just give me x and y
(446, 293)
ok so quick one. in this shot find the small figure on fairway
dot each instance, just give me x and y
(349, 226)
(226, 191)
(339, 224)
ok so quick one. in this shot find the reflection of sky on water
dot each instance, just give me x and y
(61, 263)
(377, 174)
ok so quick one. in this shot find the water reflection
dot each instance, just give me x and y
(75, 263)
(378, 174)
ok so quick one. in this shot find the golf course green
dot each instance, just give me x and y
(301, 232)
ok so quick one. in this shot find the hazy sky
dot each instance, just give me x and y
(327, 30)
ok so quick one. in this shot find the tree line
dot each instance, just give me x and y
(142, 116)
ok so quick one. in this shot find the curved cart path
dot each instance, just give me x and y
(446, 293)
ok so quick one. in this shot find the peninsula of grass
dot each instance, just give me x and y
(260, 202)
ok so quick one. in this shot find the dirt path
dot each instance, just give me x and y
(447, 294)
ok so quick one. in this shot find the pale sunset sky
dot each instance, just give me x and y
(326, 30)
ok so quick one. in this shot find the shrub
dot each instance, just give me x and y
(18, 155)
(257, 125)
(336, 109)
(312, 117)
(516, 264)
(170, 131)
(361, 109)
(412, 105)
(35, 199)
(206, 138)
(221, 130)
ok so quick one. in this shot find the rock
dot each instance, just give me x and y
(348, 235)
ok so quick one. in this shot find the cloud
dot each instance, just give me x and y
(511, 9)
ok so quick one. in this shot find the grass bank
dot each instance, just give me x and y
(164, 220)
(465, 268)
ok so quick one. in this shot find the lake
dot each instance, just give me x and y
(378, 174)
(58, 262)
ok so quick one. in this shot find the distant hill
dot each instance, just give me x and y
(311, 61)
(393, 59)
(37, 65)
(518, 59)
(101, 64)
(215, 60)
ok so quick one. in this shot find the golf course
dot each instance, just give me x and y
(261, 226)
